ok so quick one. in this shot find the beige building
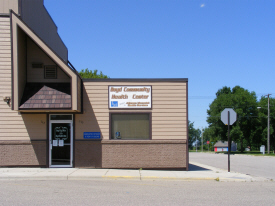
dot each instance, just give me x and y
(51, 117)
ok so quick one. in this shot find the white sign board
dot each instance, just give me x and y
(232, 116)
(130, 97)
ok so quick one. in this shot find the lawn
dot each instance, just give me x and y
(255, 153)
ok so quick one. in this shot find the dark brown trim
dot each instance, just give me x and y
(26, 61)
(69, 109)
(138, 80)
(82, 90)
(125, 113)
(12, 66)
(187, 138)
(71, 85)
(62, 68)
(48, 143)
(73, 126)
(12, 54)
(50, 111)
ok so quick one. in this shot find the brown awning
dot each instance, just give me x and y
(46, 96)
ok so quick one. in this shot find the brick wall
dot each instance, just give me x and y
(23, 153)
(88, 154)
(144, 154)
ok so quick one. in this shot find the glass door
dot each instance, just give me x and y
(60, 141)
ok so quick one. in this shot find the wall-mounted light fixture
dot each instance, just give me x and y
(7, 99)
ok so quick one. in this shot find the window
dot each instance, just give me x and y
(130, 126)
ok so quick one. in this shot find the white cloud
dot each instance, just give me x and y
(202, 5)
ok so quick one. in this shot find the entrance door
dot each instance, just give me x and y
(61, 141)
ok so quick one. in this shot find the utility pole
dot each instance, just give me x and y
(202, 139)
(268, 122)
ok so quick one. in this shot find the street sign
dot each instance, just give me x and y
(228, 117)
(232, 116)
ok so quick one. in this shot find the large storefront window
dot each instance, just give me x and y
(130, 126)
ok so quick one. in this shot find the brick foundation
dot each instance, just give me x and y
(144, 154)
(23, 153)
(101, 154)
(88, 154)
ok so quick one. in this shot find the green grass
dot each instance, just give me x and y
(255, 153)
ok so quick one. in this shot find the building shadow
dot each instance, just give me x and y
(88, 152)
(196, 168)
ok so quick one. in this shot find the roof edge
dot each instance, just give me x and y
(138, 80)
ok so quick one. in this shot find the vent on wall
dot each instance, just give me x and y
(50, 72)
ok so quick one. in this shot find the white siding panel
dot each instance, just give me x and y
(5, 55)
(4, 43)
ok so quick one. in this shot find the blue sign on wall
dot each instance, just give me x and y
(91, 135)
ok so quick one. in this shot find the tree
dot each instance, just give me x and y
(244, 103)
(193, 134)
(263, 104)
(209, 135)
(89, 74)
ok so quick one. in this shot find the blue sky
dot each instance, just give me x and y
(212, 43)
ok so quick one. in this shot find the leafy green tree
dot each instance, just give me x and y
(209, 135)
(262, 138)
(193, 134)
(89, 74)
(244, 130)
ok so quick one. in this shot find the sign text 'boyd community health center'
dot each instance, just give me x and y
(130, 97)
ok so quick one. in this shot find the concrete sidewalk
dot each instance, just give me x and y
(197, 172)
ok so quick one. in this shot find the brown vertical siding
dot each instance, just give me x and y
(79, 94)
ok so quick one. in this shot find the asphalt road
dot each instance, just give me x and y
(130, 192)
(258, 166)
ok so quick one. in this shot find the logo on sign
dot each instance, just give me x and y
(114, 103)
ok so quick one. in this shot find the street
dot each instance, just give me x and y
(131, 192)
(116, 191)
(259, 166)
